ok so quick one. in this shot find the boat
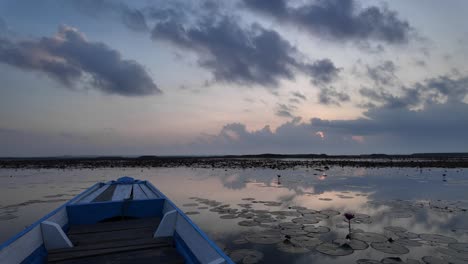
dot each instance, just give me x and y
(121, 221)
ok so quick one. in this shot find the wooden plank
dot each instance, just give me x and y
(148, 192)
(123, 243)
(113, 226)
(138, 193)
(166, 255)
(94, 238)
(90, 197)
(122, 192)
(103, 251)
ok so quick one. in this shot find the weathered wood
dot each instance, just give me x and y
(106, 195)
(128, 241)
(90, 197)
(146, 256)
(122, 192)
(138, 193)
(103, 251)
(117, 225)
(148, 191)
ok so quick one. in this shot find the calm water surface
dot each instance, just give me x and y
(422, 212)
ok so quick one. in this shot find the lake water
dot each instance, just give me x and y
(422, 212)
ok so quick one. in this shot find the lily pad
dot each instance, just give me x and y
(390, 248)
(353, 243)
(329, 212)
(293, 232)
(433, 260)
(367, 261)
(192, 213)
(190, 204)
(240, 241)
(317, 229)
(305, 241)
(407, 242)
(289, 225)
(247, 256)
(395, 229)
(435, 238)
(392, 260)
(248, 223)
(305, 221)
(407, 235)
(325, 199)
(290, 247)
(454, 253)
(459, 246)
(333, 249)
(229, 216)
(368, 237)
(267, 237)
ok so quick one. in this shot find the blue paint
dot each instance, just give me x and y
(92, 213)
(39, 256)
(184, 250)
(202, 234)
(38, 222)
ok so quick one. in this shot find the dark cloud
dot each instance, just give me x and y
(445, 88)
(133, 18)
(383, 74)
(71, 59)
(338, 19)
(435, 128)
(322, 71)
(3, 27)
(330, 96)
(246, 55)
(285, 110)
(299, 95)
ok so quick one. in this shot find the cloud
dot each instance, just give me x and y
(435, 128)
(285, 111)
(71, 59)
(338, 19)
(383, 74)
(245, 54)
(441, 89)
(322, 71)
(133, 18)
(330, 96)
(299, 95)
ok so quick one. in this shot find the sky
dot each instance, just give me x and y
(102, 77)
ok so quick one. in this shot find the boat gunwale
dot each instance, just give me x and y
(47, 216)
(197, 229)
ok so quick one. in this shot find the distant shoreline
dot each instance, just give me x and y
(273, 161)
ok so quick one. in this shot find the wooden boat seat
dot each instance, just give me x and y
(125, 241)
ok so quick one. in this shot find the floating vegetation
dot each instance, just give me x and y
(459, 246)
(333, 249)
(433, 260)
(240, 241)
(293, 232)
(203, 207)
(407, 235)
(317, 229)
(435, 238)
(390, 248)
(246, 256)
(325, 199)
(329, 212)
(272, 204)
(190, 204)
(7, 217)
(454, 253)
(266, 237)
(408, 242)
(248, 199)
(289, 247)
(289, 225)
(305, 221)
(192, 213)
(368, 237)
(367, 261)
(395, 229)
(248, 223)
(306, 241)
(396, 260)
(229, 216)
(353, 243)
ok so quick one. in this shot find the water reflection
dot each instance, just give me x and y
(384, 200)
